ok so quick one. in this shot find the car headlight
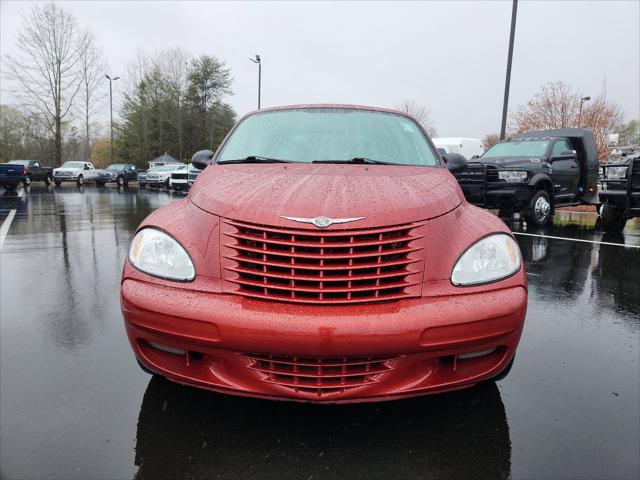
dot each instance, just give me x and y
(513, 176)
(616, 173)
(488, 260)
(156, 253)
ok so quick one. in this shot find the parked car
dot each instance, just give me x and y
(11, 175)
(193, 174)
(533, 173)
(158, 177)
(34, 171)
(620, 192)
(119, 173)
(306, 264)
(78, 172)
(467, 147)
(178, 179)
(142, 178)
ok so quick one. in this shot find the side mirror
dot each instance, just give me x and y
(475, 156)
(201, 159)
(455, 162)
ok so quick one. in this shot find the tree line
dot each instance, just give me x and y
(172, 103)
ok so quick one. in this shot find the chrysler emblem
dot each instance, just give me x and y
(322, 222)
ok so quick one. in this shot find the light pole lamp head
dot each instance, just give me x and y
(586, 99)
(258, 58)
(107, 76)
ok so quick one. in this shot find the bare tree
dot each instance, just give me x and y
(93, 66)
(46, 65)
(557, 105)
(421, 113)
(489, 140)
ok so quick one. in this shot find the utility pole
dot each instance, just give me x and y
(111, 80)
(259, 62)
(582, 100)
(505, 102)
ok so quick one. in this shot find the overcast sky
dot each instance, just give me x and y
(448, 56)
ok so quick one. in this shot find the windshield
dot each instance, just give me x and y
(73, 165)
(526, 148)
(325, 134)
(116, 166)
(19, 162)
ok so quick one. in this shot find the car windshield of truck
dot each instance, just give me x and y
(527, 148)
(73, 165)
(328, 135)
(116, 166)
(19, 162)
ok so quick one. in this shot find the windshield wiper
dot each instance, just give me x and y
(255, 159)
(356, 160)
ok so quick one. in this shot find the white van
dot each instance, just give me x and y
(467, 147)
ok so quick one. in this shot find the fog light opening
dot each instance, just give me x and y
(466, 356)
(166, 348)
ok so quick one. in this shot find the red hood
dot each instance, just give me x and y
(385, 195)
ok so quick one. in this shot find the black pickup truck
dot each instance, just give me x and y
(620, 192)
(533, 173)
(24, 171)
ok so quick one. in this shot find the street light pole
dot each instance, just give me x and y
(111, 80)
(507, 82)
(582, 100)
(259, 62)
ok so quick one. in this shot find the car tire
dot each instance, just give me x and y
(145, 369)
(503, 374)
(48, 180)
(612, 219)
(120, 181)
(538, 211)
(57, 182)
(167, 184)
(80, 181)
(27, 181)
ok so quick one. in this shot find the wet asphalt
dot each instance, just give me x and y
(74, 404)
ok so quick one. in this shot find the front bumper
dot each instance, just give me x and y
(66, 178)
(496, 195)
(217, 341)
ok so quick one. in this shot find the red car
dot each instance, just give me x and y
(326, 254)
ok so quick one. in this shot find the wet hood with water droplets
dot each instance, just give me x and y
(384, 194)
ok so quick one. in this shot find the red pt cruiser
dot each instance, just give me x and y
(325, 254)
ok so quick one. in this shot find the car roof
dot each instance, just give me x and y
(340, 106)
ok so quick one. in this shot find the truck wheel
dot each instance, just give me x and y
(58, 183)
(612, 219)
(120, 181)
(27, 181)
(80, 181)
(47, 180)
(167, 185)
(538, 211)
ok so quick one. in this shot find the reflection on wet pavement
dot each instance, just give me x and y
(73, 403)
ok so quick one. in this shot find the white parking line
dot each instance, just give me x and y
(576, 240)
(4, 229)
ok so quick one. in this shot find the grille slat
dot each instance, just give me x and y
(322, 266)
(319, 376)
